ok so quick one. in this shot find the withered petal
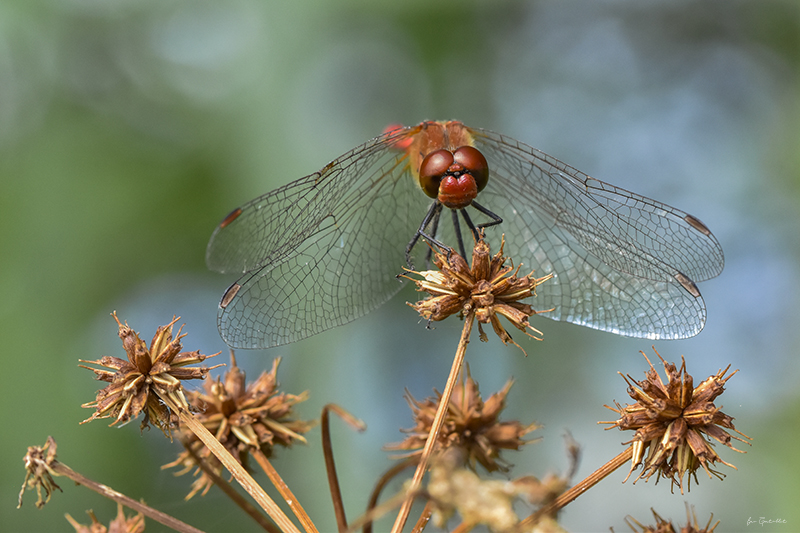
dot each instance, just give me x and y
(190, 358)
(497, 401)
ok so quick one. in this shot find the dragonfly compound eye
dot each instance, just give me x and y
(474, 164)
(433, 169)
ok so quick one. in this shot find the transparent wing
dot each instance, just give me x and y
(325, 249)
(321, 251)
(623, 263)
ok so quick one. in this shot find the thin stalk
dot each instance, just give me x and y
(576, 490)
(284, 490)
(108, 492)
(333, 478)
(229, 491)
(433, 435)
(379, 510)
(245, 480)
(424, 518)
(330, 464)
(381, 484)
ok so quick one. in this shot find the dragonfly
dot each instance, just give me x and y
(325, 249)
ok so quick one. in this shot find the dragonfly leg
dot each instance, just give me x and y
(457, 228)
(470, 224)
(432, 216)
(434, 229)
(495, 217)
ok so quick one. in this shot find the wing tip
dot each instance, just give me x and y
(689, 285)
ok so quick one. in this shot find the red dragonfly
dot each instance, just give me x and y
(325, 249)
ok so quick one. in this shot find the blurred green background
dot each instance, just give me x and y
(129, 128)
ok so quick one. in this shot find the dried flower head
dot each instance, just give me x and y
(672, 421)
(470, 425)
(480, 501)
(242, 418)
(489, 289)
(120, 524)
(39, 464)
(148, 381)
(665, 526)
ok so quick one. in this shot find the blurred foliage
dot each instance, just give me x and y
(129, 128)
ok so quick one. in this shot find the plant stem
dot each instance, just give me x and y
(225, 487)
(576, 490)
(378, 511)
(423, 519)
(330, 468)
(381, 484)
(108, 492)
(284, 490)
(433, 435)
(245, 480)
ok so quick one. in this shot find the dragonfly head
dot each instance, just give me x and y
(455, 178)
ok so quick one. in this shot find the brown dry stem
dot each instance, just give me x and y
(229, 491)
(381, 484)
(284, 490)
(57, 468)
(424, 518)
(573, 492)
(330, 464)
(245, 480)
(433, 436)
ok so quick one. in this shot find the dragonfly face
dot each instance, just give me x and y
(446, 164)
(324, 250)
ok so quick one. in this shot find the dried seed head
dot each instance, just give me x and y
(470, 425)
(490, 289)
(148, 381)
(672, 421)
(666, 526)
(242, 417)
(120, 524)
(489, 502)
(39, 463)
